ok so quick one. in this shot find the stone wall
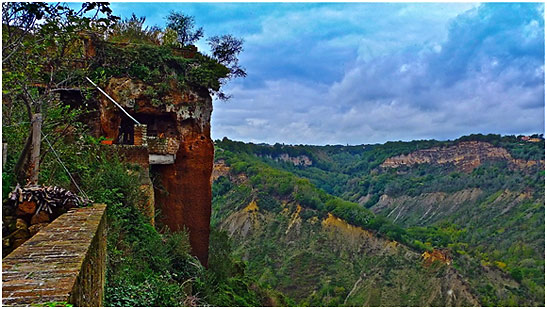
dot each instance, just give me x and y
(163, 145)
(131, 153)
(63, 262)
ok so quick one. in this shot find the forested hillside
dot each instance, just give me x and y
(475, 203)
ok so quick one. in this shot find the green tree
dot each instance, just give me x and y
(133, 30)
(184, 27)
(226, 49)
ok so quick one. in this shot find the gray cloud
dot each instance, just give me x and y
(485, 76)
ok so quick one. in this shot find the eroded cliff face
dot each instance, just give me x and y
(186, 201)
(219, 169)
(466, 156)
(425, 208)
(184, 193)
(301, 160)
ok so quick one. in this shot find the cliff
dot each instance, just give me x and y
(184, 192)
(364, 269)
(466, 156)
(167, 90)
(299, 160)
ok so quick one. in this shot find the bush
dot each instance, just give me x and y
(226, 283)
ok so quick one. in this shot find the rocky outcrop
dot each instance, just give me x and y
(466, 156)
(186, 201)
(301, 160)
(356, 237)
(220, 169)
(448, 288)
(424, 208)
(244, 221)
(436, 255)
(184, 195)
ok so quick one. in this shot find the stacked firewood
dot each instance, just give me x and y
(30, 208)
(46, 198)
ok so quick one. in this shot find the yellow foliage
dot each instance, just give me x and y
(342, 226)
(251, 207)
(435, 255)
(500, 264)
(295, 218)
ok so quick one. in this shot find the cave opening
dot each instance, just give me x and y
(160, 126)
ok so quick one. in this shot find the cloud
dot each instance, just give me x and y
(484, 73)
(320, 42)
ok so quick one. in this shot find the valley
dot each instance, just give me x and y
(456, 223)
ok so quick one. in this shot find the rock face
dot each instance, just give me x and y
(301, 160)
(219, 169)
(188, 201)
(429, 206)
(466, 156)
(241, 222)
(354, 236)
(184, 195)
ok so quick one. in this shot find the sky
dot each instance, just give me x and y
(361, 73)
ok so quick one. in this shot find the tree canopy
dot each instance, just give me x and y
(184, 26)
